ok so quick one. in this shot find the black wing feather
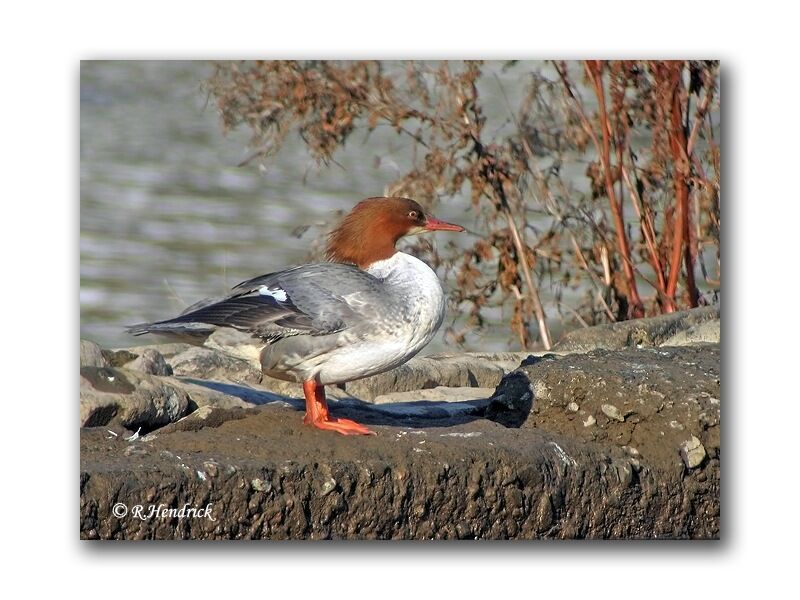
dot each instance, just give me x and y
(247, 312)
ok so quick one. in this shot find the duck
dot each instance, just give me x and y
(367, 309)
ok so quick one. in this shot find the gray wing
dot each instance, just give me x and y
(317, 299)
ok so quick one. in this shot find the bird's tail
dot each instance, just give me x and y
(191, 332)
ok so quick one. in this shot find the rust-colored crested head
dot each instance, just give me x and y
(371, 230)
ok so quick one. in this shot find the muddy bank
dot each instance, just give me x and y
(607, 443)
(267, 477)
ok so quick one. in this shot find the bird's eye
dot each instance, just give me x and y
(413, 214)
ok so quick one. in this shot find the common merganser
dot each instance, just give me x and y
(367, 311)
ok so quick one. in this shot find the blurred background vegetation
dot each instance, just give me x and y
(590, 189)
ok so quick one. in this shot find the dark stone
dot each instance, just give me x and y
(131, 399)
(512, 401)
(92, 355)
(119, 358)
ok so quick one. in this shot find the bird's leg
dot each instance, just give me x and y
(317, 414)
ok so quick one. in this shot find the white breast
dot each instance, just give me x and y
(404, 328)
(420, 293)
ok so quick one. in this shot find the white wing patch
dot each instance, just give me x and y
(278, 293)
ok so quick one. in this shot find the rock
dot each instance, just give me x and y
(692, 452)
(512, 401)
(150, 361)
(419, 411)
(168, 350)
(477, 369)
(211, 468)
(274, 478)
(612, 412)
(119, 396)
(201, 414)
(92, 355)
(204, 363)
(679, 328)
(259, 485)
(205, 416)
(120, 358)
(653, 398)
(220, 395)
(705, 332)
(437, 394)
(327, 487)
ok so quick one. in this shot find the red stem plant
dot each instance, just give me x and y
(642, 216)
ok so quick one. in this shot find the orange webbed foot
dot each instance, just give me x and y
(343, 426)
(317, 414)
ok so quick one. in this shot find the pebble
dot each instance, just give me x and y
(612, 412)
(260, 486)
(328, 486)
(211, 468)
(590, 420)
(631, 450)
(692, 452)
(573, 407)
(134, 450)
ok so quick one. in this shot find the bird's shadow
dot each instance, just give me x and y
(417, 413)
